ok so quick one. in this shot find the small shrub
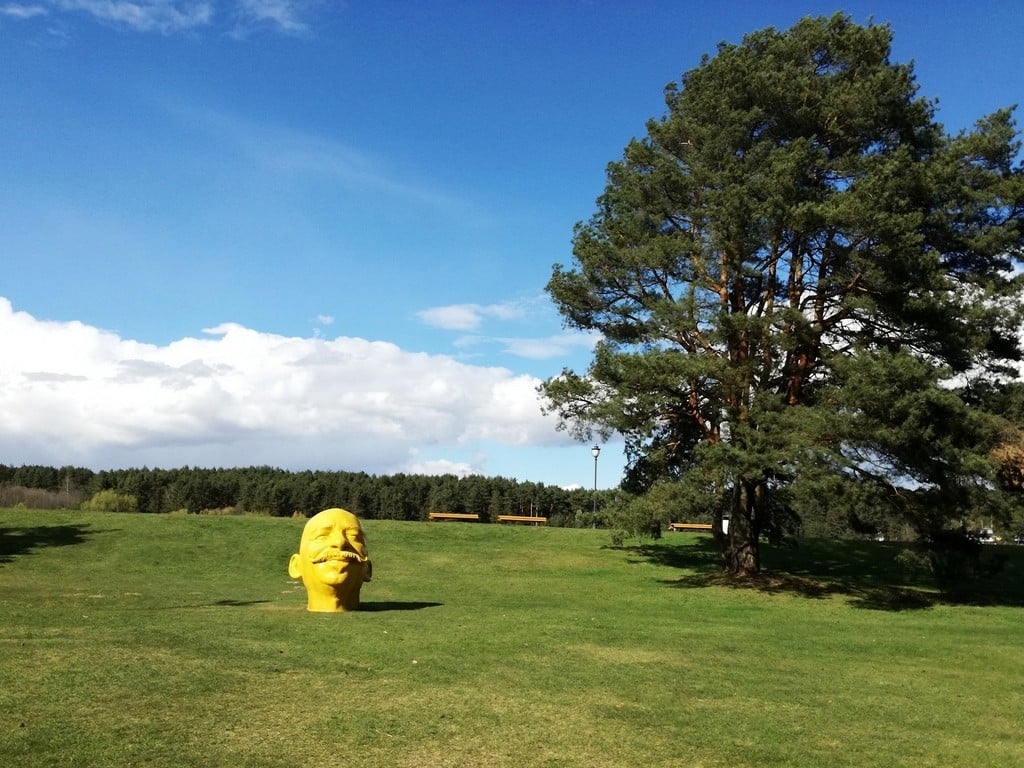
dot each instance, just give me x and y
(643, 516)
(618, 538)
(111, 501)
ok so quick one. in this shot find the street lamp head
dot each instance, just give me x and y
(595, 451)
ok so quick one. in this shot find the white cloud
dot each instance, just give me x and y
(550, 347)
(165, 16)
(443, 467)
(468, 317)
(541, 348)
(456, 317)
(175, 16)
(19, 11)
(289, 154)
(282, 14)
(74, 394)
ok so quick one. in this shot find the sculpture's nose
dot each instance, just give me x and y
(336, 538)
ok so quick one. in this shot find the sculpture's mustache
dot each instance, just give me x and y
(338, 554)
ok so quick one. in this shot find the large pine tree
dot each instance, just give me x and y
(797, 274)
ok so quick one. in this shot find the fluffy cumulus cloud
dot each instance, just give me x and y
(74, 394)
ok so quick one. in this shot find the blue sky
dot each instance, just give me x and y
(316, 234)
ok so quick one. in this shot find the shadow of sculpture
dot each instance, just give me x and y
(396, 606)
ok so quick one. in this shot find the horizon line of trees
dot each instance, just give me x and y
(284, 493)
(264, 490)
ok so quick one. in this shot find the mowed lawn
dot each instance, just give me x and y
(134, 640)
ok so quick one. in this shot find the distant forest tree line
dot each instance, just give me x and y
(281, 493)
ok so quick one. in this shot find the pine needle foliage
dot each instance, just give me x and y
(796, 275)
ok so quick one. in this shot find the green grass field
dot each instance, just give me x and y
(131, 640)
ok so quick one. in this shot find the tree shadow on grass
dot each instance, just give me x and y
(868, 574)
(23, 540)
(879, 598)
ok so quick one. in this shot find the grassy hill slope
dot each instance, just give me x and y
(133, 640)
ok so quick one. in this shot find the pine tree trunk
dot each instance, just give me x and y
(741, 554)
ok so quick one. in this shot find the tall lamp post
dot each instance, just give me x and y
(595, 452)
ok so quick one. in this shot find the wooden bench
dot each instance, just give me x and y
(522, 519)
(689, 526)
(454, 516)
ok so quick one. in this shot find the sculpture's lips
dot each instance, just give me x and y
(336, 555)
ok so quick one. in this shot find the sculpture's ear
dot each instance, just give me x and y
(294, 569)
(369, 571)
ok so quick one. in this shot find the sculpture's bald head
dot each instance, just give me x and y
(332, 561)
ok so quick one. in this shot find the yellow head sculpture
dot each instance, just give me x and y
(332, 561)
